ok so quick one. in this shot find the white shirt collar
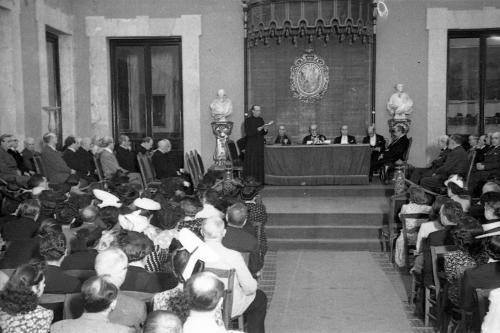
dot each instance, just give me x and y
(107, 149)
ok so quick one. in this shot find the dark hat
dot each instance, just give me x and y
(249, 192)
(126, 193)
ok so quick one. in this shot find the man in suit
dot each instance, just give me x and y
(395, 151)
(14, 143)
(70, 155)
(28, 154)
(86, 158)
(126, 157)
(145, 146)
(456, 163)
(110, 164)
(99, 300)
(164, 161)
(344, 137)
(56, 168)
(238, 239)
(419, 173)
(8, 166)
(314, 137)
(376, 142)
(282, 138)
(490, 167)
(128, 311)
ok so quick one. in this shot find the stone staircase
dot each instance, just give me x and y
(326, 217)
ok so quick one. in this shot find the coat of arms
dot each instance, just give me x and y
(309, 77)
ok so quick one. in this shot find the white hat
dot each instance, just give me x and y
(491, 234)
(199, 251)
(147, 204)
(455, 179)
(107, 199)
(133, 222)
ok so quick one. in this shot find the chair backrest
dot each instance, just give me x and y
(141, 296)
(227, 276)
(407, 152)
(196, 164)
(73, 306)
(146, 169)
(483, 303)
(81, 274)
(192, 170)
(404, 226)
(471, 166)
(233, 151)
(98, 167)
(54, 302)
(437, 252)
(200, 162)
(39, 167)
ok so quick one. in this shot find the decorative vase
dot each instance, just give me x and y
(221, 130)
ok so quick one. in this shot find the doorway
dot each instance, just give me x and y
(146, 77)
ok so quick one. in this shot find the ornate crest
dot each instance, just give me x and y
(309, 77)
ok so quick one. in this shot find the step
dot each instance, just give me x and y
(331, 219)
(323, 231)
(332, 205)
(328, 191)
(355, 244)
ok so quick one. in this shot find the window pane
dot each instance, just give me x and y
(131, 89)
(492, 88)
(463, 86)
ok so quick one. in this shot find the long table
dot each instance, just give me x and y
(317, 164)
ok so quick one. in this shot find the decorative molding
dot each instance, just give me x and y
(309, 77)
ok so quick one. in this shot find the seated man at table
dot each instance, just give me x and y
(376, 142)
(344, 137)
(282, 138)
(313, 137)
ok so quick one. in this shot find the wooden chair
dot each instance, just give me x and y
(483, 302)
(409, 248)
(227, 305)
(200, 162)
(39, 166)
(81, 274)
(73, 306)
(148, 174)
(54, 302)
(235, 160)
(100, 172)
(469, 171)
(141, 296)
(193, 170)
(432, 291)
(388, 233)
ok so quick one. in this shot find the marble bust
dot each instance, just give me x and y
(400, 104)
(221, 107)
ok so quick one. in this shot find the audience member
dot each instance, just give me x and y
(137, 246)
(376, 142)
(491, 201)
(19, 309)
(434, 223)
(204, 292)
(456, 163)
(13, 150)
(238, 239)
(110, 164)
(38, 184)
(129, 311)
(454, 187)
(23, 225)
(282, 138)
(56, 169)
(28, 154)
(162, 322)
(394, 151)
(247, 298)
(489, 167)
(210, 201)
(418, 173)
(53, 250)
(314, 137)
(126, 157)
(481, 149)
(8, 167)
(86, 158)
(164, 160)
(145, 146)
(99, 300)
(491, 322)
(344, 137)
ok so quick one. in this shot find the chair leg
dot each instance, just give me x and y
(427, 306)
(413, 287)
(241, 323)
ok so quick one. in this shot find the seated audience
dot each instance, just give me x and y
(210, 200)
(38, 183)
(488, 168)
(86, 157)
(28, 154)
(491, 322)
(418, 173)
(417, 205)
(491, 201)
(162, 322)
(79, 159)
(470, 254)
(99, 300)
(282, 138)
(205, 292)
(454, 187)
(236, 238)
(394, 151)
(247, 299)
(9, 171)
(23, 225)
(314, 137)
(164, 160)
(481, 149)
(13, 150)
(456, 163)
(56, 169)
(126, 157)
(145, 146)
(434, 223)
(344, 137)
(129, 311)
(137, 247)
(110, 164)
(19, 309)
(53, 250)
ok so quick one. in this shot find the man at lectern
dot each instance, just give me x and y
(313, 137)
(344, 138)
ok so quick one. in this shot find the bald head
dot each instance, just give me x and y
(164, 145)
(495, 139)
(86, 143)
(213, 229)
(443, 141)
(237, 214)
(112, 262)
(204, 292)
(29, 143)
(162, 322)
(344, 130)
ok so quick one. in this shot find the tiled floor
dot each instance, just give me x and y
(399, 280)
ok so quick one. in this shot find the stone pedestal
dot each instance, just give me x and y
(405, 122)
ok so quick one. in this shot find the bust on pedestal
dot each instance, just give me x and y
(220, 108)
(400, 105)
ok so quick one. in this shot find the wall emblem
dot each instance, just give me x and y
(309, 77)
